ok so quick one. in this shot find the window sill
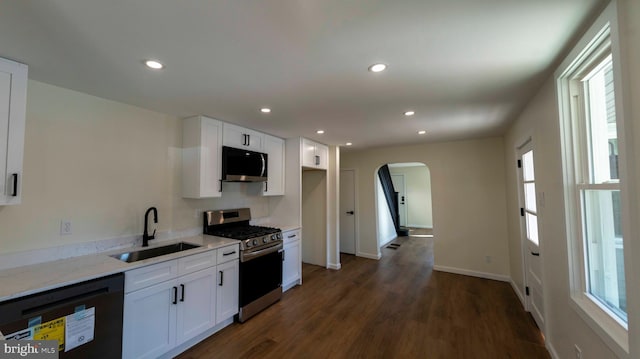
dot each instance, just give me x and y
(612, 332)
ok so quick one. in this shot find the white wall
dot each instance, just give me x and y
(386, 229)
(469, 201)
(564, 327)
(629, 11)
(101, 164)
(418, 199)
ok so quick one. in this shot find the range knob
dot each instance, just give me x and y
(274, 237)
(279, 235)
(255, 242)
(265, 239)
(248, 244)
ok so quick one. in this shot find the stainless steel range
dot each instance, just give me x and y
(261, 256)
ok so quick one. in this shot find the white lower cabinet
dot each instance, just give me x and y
(167, 313)
(292, 265)
(149, 321)
(227, 294)
(196, 304)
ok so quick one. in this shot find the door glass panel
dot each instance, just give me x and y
(530, 196)
(532, 227)
(527, 166)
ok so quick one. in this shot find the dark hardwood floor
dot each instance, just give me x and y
(397, 307)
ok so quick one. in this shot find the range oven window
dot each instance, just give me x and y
(259, 276)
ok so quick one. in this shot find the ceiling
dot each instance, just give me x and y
(467, 67)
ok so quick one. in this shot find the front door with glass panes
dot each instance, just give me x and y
(534, 301)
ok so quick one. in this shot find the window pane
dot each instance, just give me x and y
(601, 115)
(603, 244)
(527, 166)
(532, 227)
(530, 196)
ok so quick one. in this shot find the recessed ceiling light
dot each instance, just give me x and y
(377, 67)
(348, 143)
(320, 132)
(409, 113)
(422, 132)
(153, 64)
(265, 110)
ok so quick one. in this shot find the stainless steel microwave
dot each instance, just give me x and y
(240, 165)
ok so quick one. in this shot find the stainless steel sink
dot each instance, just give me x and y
(142, 254)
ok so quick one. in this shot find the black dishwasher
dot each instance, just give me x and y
(85, 318)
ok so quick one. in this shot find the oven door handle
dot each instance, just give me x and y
(244, 256)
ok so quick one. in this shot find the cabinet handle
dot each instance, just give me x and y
(244, 139)
(182, 287)
(228, 254)
(220, 186)
(317, 160)
(266, 186)
(175, 295)
(221, 278)
(15, 185)
(535, 254)
(291, 236)
(283, 252)
(248, 140)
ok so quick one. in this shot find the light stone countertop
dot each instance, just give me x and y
(26, 280)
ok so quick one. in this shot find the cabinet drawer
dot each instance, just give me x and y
(196, 262)
(228, 253)
(290, 236)
(150, 275)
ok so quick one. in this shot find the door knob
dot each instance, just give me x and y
(349, 212)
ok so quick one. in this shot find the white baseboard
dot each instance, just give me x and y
(335, 266)
(493, 276)
(419, 226)
(518, 292)
(384, 242)
(369, 255)
(551, 349)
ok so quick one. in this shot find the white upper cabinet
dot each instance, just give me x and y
(314, 155)
(240, 137)
(274, 148)
(201, 157)
(13, 101)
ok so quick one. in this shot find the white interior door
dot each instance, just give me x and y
(399, 186)
(530, 235)
(347, 212)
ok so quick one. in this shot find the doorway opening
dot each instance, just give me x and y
(403, 203)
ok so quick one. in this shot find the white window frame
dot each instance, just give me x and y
(606, 324)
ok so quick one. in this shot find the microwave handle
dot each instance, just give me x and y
(264, 165)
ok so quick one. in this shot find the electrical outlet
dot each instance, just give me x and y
(578, 352)
(487, 259)
(65, 227)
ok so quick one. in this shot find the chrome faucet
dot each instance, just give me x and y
(145, 236)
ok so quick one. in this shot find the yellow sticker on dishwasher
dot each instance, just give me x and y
(51, 330)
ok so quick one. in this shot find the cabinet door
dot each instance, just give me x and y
(240, 137)
(292, 264)
(274, 148)
(149, 328)
(227, 295)
(322, 156)
(196, 304)
(308, 153)
(13, 97)
(201, 157)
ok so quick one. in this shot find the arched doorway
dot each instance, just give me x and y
(411, 184)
